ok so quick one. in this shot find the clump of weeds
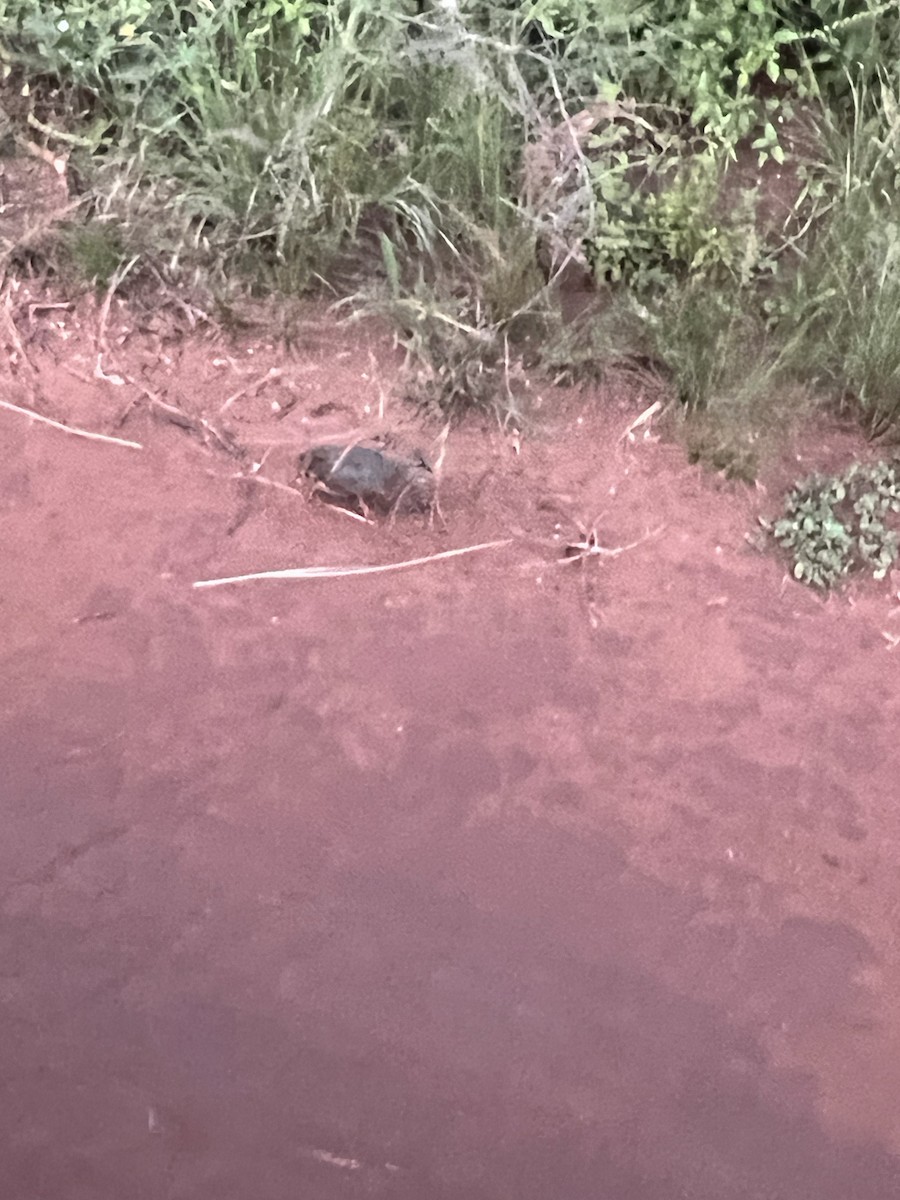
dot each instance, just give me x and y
(834, 525)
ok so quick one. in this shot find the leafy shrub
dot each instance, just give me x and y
(706, 58)
(836, 524)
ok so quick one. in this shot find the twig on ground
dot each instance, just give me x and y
(257, 478)
(83, 433)
(173, 414)
(191, 311)
(590, 547)
(228, 443)
(162, 409)
(348, 512)
(184, 420)
(47, 306)
(440, 446)
(70, 370)
(644, 419)
(337, 572)
(254, 385)
(254, 476)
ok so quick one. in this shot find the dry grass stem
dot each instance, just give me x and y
(272, 373)
(102, 345)
(273, 483)
(376, 379)
(82, 433)
(177, 416)
(337, 572)
(348, 512)
(47, 306)
(286, 487)
(440, 446)
(191, 311)
(644, 419)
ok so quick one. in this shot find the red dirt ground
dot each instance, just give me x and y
(491, 879)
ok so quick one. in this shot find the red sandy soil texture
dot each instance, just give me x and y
(495, 878)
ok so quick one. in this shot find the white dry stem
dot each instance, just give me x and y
(337, 572)
(272, 373)
(440, 445)
(254, 476)
(83, 433)
(47, 306)
(645, 417)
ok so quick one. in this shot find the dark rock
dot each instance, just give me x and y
(371, 479)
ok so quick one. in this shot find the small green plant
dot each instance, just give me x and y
(836, 524)
(95, 252)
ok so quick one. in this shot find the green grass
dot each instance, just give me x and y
(840, 313)
(377, 148)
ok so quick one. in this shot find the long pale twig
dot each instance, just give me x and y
(335, 572)
(83, 433)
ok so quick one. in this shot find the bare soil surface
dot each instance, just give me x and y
(494, 878)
